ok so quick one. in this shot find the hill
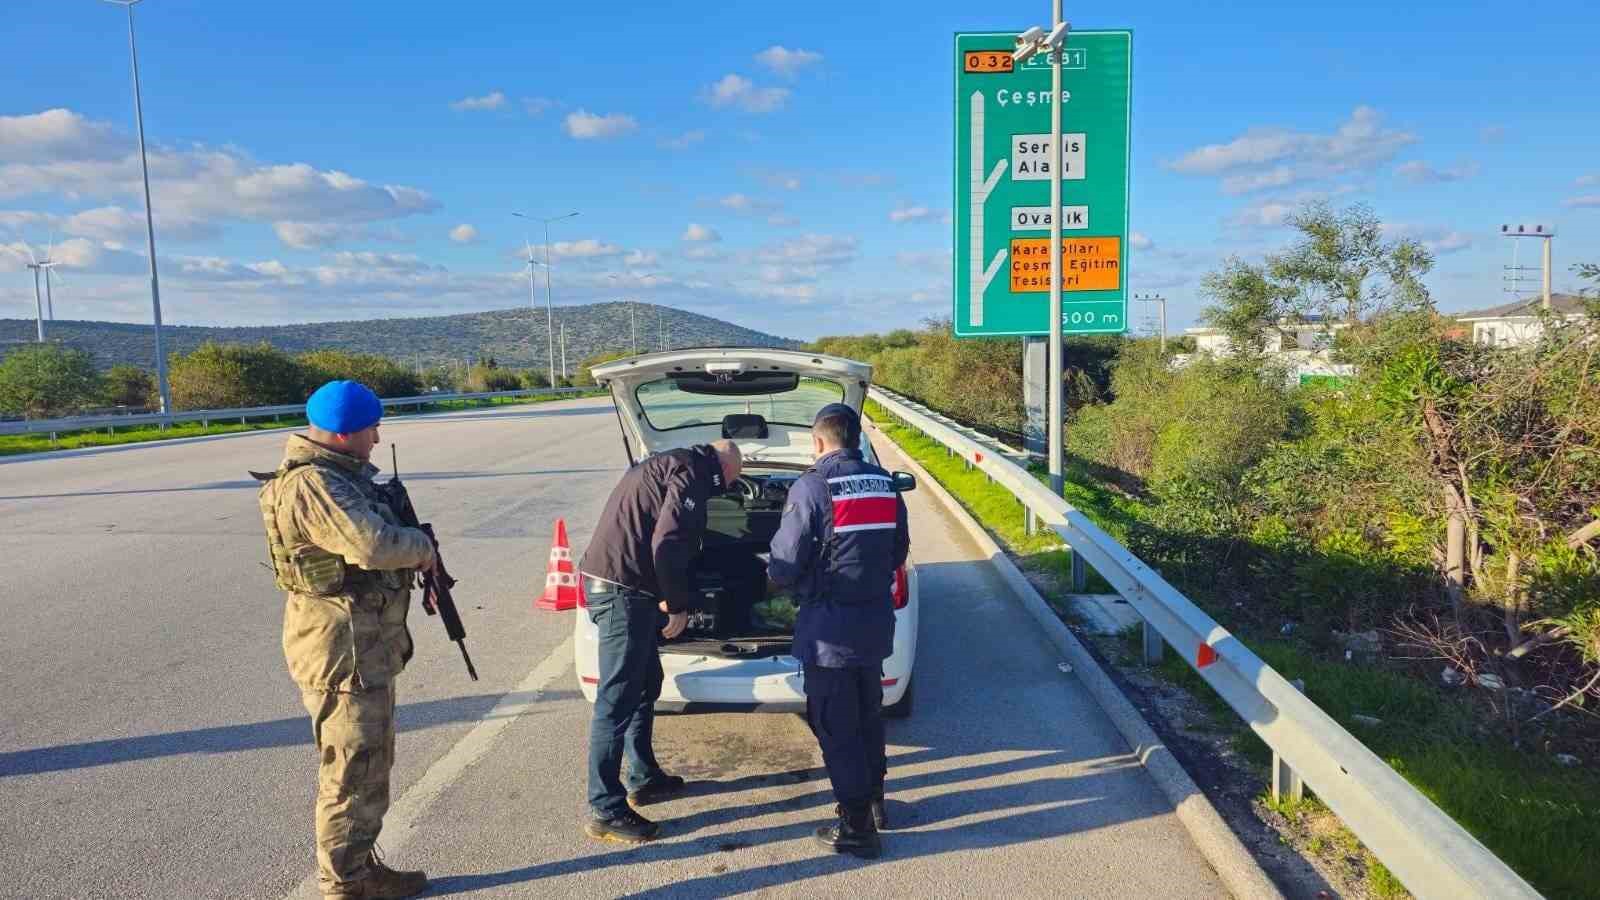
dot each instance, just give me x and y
(514, 337)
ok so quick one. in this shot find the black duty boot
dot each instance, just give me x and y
(880, 817)
(853, 834)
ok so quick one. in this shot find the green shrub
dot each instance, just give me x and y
(383, 375)
(225, 376)
(130, 386)
(47, 380)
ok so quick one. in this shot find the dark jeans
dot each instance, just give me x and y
(624, 705)
(845, 709)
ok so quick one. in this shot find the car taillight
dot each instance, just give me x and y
(901, 592)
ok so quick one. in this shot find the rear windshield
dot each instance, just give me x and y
(691, 399)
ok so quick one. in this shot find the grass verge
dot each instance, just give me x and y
(1542, 819)
(16, 444)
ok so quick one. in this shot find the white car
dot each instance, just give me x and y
(731, 657)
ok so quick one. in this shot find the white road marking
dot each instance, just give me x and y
(406, 813)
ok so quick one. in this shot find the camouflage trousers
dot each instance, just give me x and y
(354, 734)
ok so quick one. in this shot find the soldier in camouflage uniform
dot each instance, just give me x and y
(347, 566)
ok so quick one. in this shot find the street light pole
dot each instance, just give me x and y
(549, 302)
(149, 218)
(1057, 417)
(563, 351)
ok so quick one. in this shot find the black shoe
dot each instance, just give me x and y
(880, 817)
(853, 834)
(662, 787)
(628, 827)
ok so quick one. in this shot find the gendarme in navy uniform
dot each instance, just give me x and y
(842, 537)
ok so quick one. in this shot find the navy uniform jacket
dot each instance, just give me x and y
(842, 537)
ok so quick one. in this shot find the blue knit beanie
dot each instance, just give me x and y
(344, 407)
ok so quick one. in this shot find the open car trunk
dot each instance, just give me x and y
(734, 618)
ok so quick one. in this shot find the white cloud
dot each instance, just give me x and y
(538, 106)
(1492, 134)
(701, 233)
(588, 248)
(464, 234)
(788, 181)
(1583, 201)
(907, 212)
(744, 203)
(55, 134)
(705, 253)
(788, 63)
(736, 90)
(60, 153)
(1586, 180)
(1435, 239)
(1140, 241)
(811, 250)
(1273, 157)
(641, 258)
(584, 125)
(491, 100)
(1418, 172)
(312, 235)
(1276, 211)
(782, 220)
(684, 141)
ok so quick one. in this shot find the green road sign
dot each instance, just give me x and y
(1002, 207)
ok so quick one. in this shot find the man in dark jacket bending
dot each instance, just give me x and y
(639, 565)
(842, 537)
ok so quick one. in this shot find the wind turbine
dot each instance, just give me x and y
(42, 265)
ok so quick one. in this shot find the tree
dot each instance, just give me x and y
(130, 386)
(1342, 267)
(44, 380)
(225, 376)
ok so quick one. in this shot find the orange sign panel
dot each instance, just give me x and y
(978, 62)
(1088, 264)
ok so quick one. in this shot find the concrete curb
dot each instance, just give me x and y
(1211, 835)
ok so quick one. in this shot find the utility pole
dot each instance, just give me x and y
(149, 218)
(633, 324)
(661, 320)
(1543, 232)
(1162, 301)
(563, 352)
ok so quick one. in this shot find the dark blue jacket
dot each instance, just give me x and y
(842, 537)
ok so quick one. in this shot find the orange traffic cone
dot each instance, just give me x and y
(561, 588)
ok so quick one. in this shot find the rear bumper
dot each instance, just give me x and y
(775, 684)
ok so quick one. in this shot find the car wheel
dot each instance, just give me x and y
(901, 708)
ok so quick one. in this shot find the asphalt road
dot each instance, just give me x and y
(152, 745)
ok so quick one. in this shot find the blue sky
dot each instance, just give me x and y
(789, 171)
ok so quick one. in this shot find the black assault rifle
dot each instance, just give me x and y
(435, 582)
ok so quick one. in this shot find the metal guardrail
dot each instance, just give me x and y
(1431, 855)
(206, 416)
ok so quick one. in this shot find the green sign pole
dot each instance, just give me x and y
(1004, 174)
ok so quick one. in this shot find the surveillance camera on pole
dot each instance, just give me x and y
(1027, 45)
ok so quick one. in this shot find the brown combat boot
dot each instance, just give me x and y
(380, 883)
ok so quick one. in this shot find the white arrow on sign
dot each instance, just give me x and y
(981, 186)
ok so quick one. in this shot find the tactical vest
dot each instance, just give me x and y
(307, 569)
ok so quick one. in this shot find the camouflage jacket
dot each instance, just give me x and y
(347, 565)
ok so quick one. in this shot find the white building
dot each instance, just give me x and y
(1518, 324)
(1304, 347)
